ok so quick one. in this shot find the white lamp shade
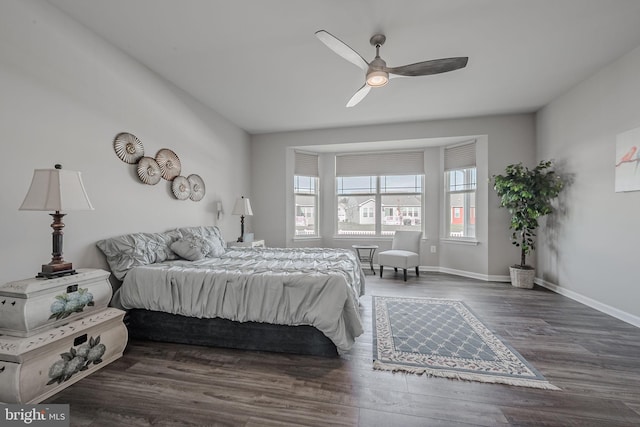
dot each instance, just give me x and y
(242, 207)
(56, 190)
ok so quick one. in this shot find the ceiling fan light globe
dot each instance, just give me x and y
(377, 78)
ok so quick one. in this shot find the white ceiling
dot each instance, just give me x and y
(258, 63)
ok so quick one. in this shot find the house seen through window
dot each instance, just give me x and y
(460, 191)
(305, 190)
(461, 202)
(378, 205)
(306, 194)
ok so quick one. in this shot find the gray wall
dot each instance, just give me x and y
(590, 250)
(502, 140)
(65, 95)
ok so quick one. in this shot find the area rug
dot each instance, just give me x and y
(443, 338)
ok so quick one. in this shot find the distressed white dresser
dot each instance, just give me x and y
(54, 332)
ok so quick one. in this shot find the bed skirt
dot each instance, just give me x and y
(217, 332)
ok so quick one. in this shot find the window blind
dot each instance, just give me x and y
(306, 164)
(369, 164)
(460, 156)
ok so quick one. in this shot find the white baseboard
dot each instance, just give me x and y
(604, 308)
(469, 274)
(463, 273)
(472, 275)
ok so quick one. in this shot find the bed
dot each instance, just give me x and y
(302, 301)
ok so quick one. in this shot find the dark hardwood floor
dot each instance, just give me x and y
(592, 357)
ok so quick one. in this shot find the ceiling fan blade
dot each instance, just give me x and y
(342, 49)
(435, 66)
(359, 95)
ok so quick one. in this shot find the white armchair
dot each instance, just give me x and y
(404, 253)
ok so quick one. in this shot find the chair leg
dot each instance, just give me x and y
(380, 271)
(417, 272)
(405, 274)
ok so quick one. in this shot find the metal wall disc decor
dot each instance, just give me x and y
(181, 188)
(197, 187)
(169, 163)
(128, 147)
(149, 171)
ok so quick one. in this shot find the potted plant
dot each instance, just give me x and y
(527, 194)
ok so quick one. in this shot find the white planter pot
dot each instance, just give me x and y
(522, 278)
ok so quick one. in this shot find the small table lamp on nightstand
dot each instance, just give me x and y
(242, 208)
(56, 190)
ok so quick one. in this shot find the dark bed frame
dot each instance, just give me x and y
(217, 332)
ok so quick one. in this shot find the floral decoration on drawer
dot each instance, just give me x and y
(76, 360)
(67, 304)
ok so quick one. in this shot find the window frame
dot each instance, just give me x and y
(378, 209)
(316, 218)
(468, 188)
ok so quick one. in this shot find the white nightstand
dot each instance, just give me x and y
(34, 305)
(54, 332)
(254, 244)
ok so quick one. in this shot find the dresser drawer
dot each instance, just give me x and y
(34, 368)
(33, 305)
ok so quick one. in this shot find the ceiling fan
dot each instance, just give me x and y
(377, 72)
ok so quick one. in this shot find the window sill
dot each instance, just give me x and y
(390, 237)
(459, 241)
(355, 237)
(304, 238)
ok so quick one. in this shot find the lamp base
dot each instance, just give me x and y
(55, 275)
(51, 271)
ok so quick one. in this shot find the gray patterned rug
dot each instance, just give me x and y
(441, 337)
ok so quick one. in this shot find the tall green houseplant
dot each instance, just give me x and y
(527, 194)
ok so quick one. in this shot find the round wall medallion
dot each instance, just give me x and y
(181, 188)
(128, 147)
(169, 164)
(149, 171)
(197, 187)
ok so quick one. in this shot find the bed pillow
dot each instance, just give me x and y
(211, 234)
(133, 250)
(191, 247)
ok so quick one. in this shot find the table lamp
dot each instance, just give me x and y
(56, 190)
(242, 208)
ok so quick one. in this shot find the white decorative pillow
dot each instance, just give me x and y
(191, 247)
(216, 247)
(211, 234)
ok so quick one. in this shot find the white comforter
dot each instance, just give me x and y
(317, 287)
